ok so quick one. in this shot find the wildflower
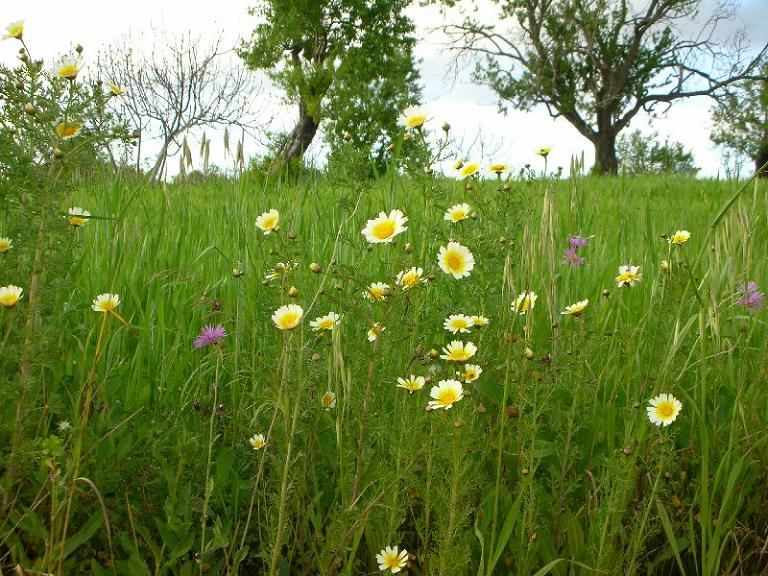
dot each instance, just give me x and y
(68, 67)
(458, 323)
(410, 278)
(411, 384)
(269, 221)
(572, 259)
(376, 291)
(10, 295)
(77, 216)
(64, 425)
(664, 409)
(498, 169)
(457, 213)
(750, 296)
(281, 269)
(114, 89)
(14, 30)
(257, 441)
(66, 130)
(577, 242)
(456, 260)
(414, 117)
(105, 302)
(471, 373)
(327, 322)
(628, 275)
(666, 265)
(469, 169)
(384, 227)
(288, 316)
(5, 244)
(210, 335)
(679, 237)
(457, 351)
(373, 333)
(391, 559)
(328, 400)
(445, 394)
(577, 309)
(480, 321)
(524, 303)
(544, 151)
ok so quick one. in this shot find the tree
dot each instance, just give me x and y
(640, 153)
(347, 61)
(177, 84)
(597, 63)
(741, 120)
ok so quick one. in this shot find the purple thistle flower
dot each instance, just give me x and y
(577, 241)
(210, 335)
(572, 259)
(750, 296)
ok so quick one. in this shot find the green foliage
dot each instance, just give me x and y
(640, 153)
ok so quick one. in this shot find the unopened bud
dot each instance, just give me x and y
(528, 353)
(502, 239)
(346, 136)
(237, 272)
(407, 136)
(293, 292)
(315, 267)
(30, 109)
(606, 292)
(79, 48)
(58, 153)
(408, 248)
(433, 353)
(446, 127)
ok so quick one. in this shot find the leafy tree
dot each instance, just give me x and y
(349, 62)
(640, 153)
(597, 63)
(741, 120)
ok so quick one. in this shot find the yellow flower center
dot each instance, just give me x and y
(325, 324)
(269, 222)
(8, 300)
(77, 220)
(448, 396)
(384, 230)
(288, 320)
(458, 215)
(410, 279)
(416, 121)
(4, 246)
(454, 261)
(459, 323)
(377, 293)
(665, 410)
(107, 305)
(69, 72)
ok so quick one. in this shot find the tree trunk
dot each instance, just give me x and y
(605, 153)
(298, 140)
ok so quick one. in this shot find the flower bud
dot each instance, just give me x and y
(528, 353)
(315, 267)
(58, 153)
(293, 292)
(237, 273)
(446, 127)
(30, 109)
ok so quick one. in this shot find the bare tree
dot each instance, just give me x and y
(179, 83)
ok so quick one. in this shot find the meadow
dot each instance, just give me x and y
(137, 443)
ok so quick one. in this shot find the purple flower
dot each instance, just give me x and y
(577, 241)
(750, 296)
(572, 259)
(210, 335)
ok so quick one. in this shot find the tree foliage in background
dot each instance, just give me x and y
(640, 153)
(347, 62)
(598, 63)
(741, 119)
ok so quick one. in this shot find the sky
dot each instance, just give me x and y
(482, 133)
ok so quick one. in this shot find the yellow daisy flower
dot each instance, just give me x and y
(457, 213)
(414, 117)
(524, 303)
(14, 30)
(5, 244)
(411, 384)
(469, 169)
(457, 351)
(663, 409)
(269, 221)
(456, 260)
(288, 316)
(458, 323)
(68, 67)
(377, 291)
(471, 373)
(577, 309)
(375, 331)
(257, 441)
(77, 216)
(679, 237)
(445, 394)
(410, 278)
(10, 295)
(66, 130)
(327, 322)
(628, 276)
(384, 227)
(392, 559)
(105, 302)
(498, 169)
(544, 152)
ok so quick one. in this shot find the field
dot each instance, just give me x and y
(130, 447)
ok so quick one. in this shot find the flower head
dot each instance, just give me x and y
(105, 302)
(414, 117)
(66, 130)
(572, 259)
(457, 351)
(392, 559)
(77, 216)
(445, 394)
(471, 373)
(663, 409)
(281, 269)
(577, 242)
(385, 227)
(457, 213)
(679, 237)
(5, 244)
(10, 295)
(327, 322)
(328, 400)
(210, 335)
(377, 291)
(458, 323)
(544, 151)
(456, 260)
(628, 275)
(524, 303)
(288, 316)
(498, 169)
(577, 309)
(375, 331)
(469, 169)
(14, 30)
(257, 441)
(751, 297)
(68, 67)
(480, 321)
(269, 221)
(411, 384)
(410, 278)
